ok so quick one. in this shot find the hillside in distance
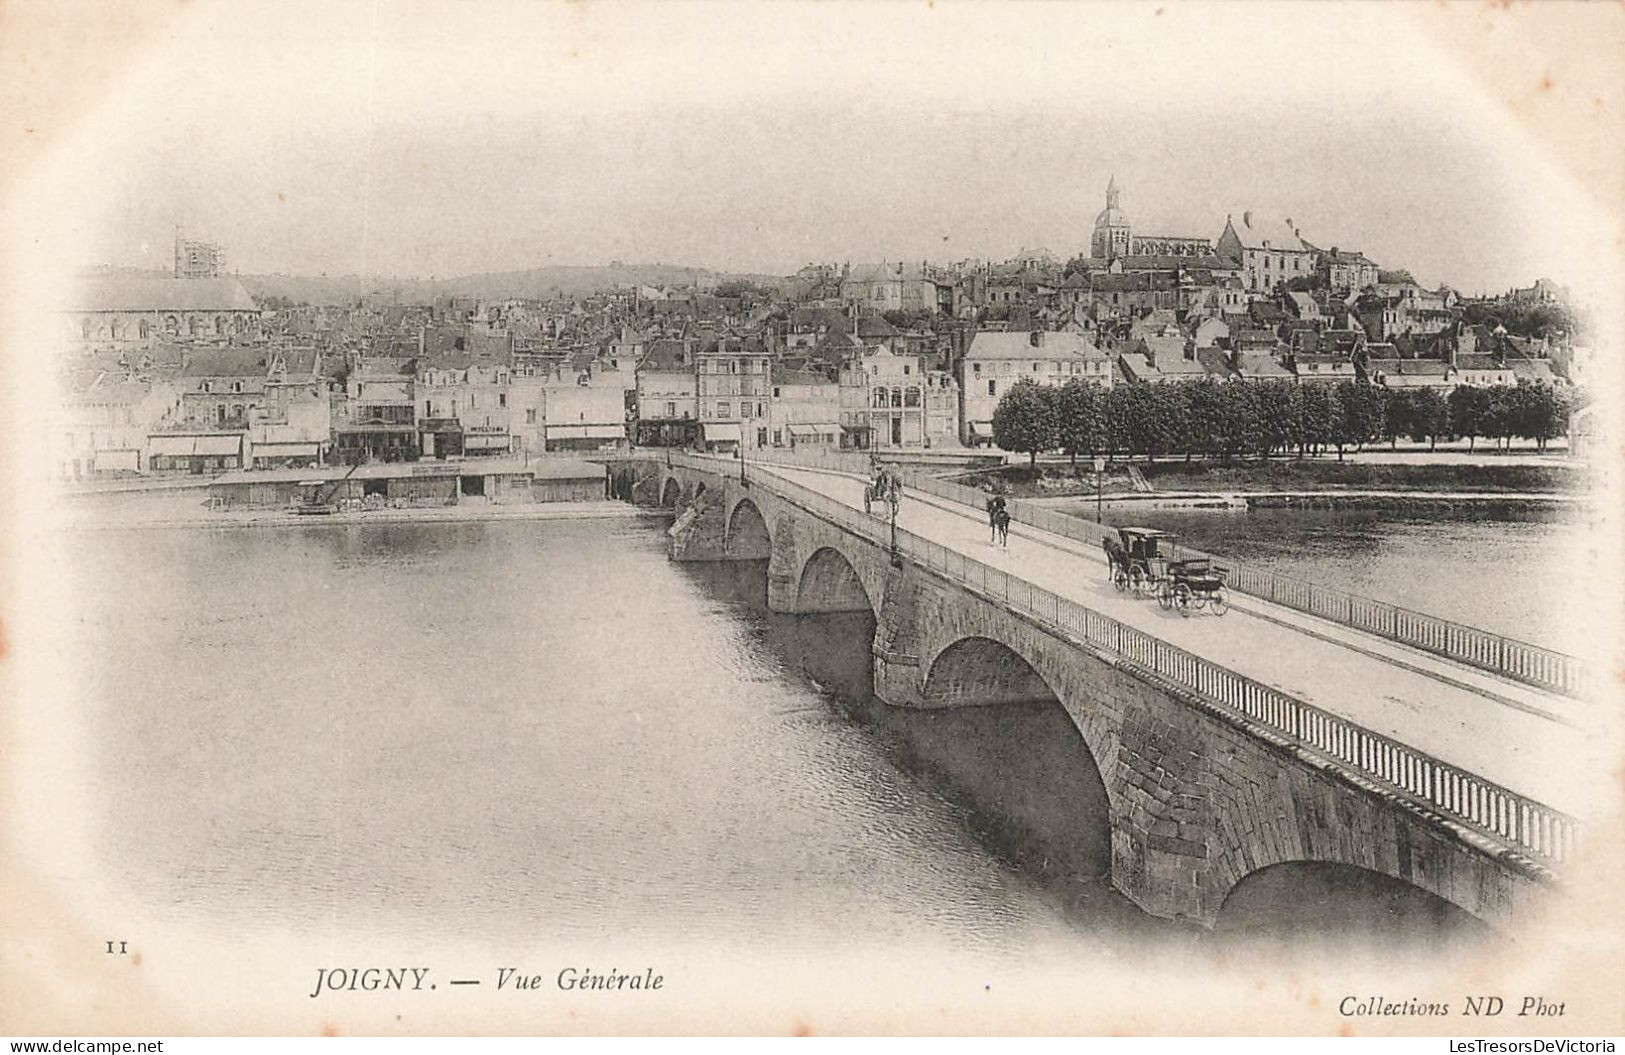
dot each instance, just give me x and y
(538, 282)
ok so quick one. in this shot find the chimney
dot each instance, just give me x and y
(1247, 218)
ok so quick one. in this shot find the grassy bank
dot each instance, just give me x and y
(1288, 475)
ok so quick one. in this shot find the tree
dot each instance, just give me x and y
(1468, 406)
(1317, 417)
(1544, 413)
(1500, 414)
(1148, 416)
(1241, 424)
(1358, 416)
(1119, 413)
(1025, 420)
(1204, 418)
(1428, 416)
(1280, 415)
(1080, 412)
(1396, 418)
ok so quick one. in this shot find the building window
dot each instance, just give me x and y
(502, 399)
(671, 409)
(722, 410)
(530, 415)
(992, 388)
(911, 398)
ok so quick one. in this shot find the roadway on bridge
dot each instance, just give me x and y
(1501, 730)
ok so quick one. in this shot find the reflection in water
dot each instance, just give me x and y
(520, 730)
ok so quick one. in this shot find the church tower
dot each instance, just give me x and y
(1112, 231)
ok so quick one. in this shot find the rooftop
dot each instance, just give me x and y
(144, 293)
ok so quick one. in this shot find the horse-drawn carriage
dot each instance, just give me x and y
(1146, 561)
(885, 490)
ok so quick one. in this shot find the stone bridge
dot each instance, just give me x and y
(1201, 798)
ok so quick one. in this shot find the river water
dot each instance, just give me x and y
(1509, 572)
(549, 728)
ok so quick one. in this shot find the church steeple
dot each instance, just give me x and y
(1111, 192)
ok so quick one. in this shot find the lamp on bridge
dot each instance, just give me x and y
(894, 503)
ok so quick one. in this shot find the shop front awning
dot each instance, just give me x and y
(586, 432)
(473, 441)
(722, 432)
(856, 430)
(982, 428)
(814, 429)
(190, 446)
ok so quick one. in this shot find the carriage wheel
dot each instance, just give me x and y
(1182, 598)
(1165, 596)
(1136, 580)
(1221, 602)
(1120, 579)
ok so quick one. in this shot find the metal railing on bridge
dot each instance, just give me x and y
(1504, 817)
(1531, 664)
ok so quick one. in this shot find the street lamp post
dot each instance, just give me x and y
(897, 500)
(1100, 469)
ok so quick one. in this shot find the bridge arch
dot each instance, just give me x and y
(671, 492)
(979, 671)
(746, 534)
(1058, 782)
(1338, 899)
(829, 582)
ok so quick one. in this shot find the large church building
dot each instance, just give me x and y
(1114, 235)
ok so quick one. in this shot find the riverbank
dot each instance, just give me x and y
(1288, 480)
(1411, 502)
(171, 511)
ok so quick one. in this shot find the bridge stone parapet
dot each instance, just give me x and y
(1200, 798)
(1199, 801)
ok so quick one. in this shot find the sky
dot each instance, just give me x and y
(418, 140)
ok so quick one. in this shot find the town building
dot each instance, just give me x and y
(102, 429)
(993, 361)
(805, 409)
(1346, 270)
(1112, 231)
(113, 310)
(1113, 236)
(195, 259)
(667, 394)
(733, 383)
(1270, 251)
(893, 287)
(586, 409)
(377, 419)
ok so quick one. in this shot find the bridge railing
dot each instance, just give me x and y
(1520, 660)
(1514, 821)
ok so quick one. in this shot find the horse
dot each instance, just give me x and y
(1001, 525)
(995, 507)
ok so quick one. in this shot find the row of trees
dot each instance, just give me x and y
(1232, 419)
